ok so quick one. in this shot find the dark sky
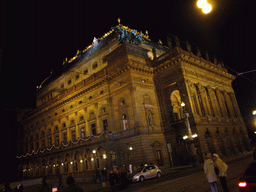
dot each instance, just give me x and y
(36, 36)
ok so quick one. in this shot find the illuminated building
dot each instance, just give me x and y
(118, 102)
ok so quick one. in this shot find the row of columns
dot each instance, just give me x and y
(207, 101)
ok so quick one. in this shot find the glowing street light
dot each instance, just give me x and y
(254, 112)
(201, 3)
(205, 6)
(207, 9)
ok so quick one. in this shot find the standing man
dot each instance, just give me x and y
(71, 185)
(209, 172)
(222, 167)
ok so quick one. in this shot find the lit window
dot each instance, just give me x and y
(125, 121)
(82, 132)
(105, 124)
(93, 126)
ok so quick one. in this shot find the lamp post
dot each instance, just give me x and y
(189, 136)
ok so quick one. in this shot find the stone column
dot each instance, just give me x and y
(229, 104)
(222, 102)
(235, 105)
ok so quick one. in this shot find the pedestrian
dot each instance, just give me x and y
(112, 180)
(19, 188)
(7, 187)
(45, 186)
(104, 174)
(222, 171)
(70, 181)
(209, 172)
(97, 176)
(60, 184)
(123, 178)
(254, 151)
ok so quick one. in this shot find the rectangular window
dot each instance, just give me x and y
(93, 126)
(56, 140)
(73, 133)
(49, 142)
(105, 124)
(94, 66)
(43, 143)
(159, 157)
(65, 139)
(82, 132)
(85, 71)
(37, 146)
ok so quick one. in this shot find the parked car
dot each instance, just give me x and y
(145, 172)
(248, 180)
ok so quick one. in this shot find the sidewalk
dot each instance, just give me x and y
(172, 173)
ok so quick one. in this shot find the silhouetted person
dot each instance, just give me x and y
(19, 188)
(45, 186)
(112, 180)
(60, 184)
(123, 178)
(97, 176)
(254, 151)
(104, 174)
(70, 181)
(7, 187)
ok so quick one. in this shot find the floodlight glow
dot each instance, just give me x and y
(201, 3)
(207, 8)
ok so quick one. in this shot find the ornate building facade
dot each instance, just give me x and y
(118, 102)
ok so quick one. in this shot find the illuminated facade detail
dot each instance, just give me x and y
(129, 97)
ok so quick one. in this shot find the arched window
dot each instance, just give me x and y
(176, 105)
(125, 122)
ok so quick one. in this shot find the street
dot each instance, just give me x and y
(193, 182)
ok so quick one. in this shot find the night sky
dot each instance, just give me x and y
(36, 36)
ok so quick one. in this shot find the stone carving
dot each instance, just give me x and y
(177, 41)
(207, 56)
(198, 52)
(126, 36)
(169, 42)
(215, 59)
(188, 47)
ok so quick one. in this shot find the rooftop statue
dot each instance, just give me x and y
(128, 35)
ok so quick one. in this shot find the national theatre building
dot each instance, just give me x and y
(126, 100)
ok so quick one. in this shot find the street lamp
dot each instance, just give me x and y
(189, 137)
(205, 6)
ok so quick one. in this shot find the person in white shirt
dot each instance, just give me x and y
(209, 172)
(222, 169)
